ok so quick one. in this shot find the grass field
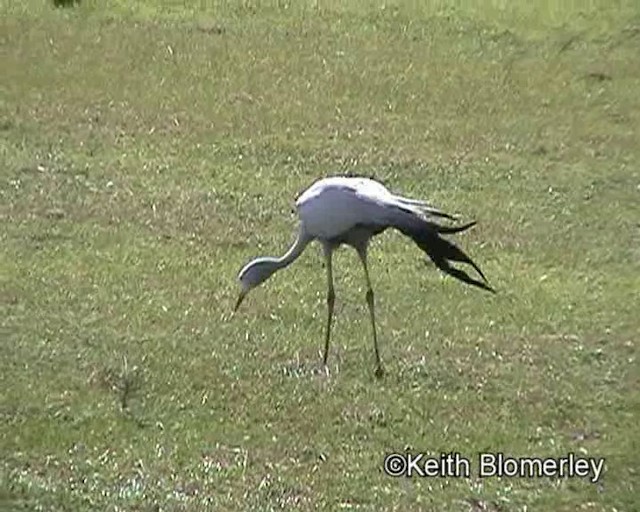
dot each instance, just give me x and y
(149, 149)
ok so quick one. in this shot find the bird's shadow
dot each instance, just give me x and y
(313, 367)
(304, 368)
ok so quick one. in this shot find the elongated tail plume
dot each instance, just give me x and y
(426, 235)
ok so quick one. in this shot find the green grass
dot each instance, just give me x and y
(149, 149)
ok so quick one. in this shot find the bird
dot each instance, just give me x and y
(351, 210)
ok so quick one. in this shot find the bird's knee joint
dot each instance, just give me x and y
(331, 297)
(369, 296)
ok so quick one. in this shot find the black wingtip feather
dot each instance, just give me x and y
(450, 230)
(442, 252)
(463, 276)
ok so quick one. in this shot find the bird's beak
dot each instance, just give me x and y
(239, 301)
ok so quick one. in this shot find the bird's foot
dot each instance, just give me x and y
(379, 373)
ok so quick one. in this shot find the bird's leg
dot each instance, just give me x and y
(331, 298)
(362, 252)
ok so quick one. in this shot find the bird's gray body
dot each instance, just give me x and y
(355, 237)
(331, 207)
(351, 211)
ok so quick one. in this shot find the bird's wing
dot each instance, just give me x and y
(332, 207)
(378, 192)
(386, 209)
(424, 207)
(391, 207)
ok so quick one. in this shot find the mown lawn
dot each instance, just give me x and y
(149, 149)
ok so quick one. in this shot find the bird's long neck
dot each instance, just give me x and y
(302, 240)
(296, 249)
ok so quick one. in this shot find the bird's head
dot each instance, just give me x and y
(253, 274)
